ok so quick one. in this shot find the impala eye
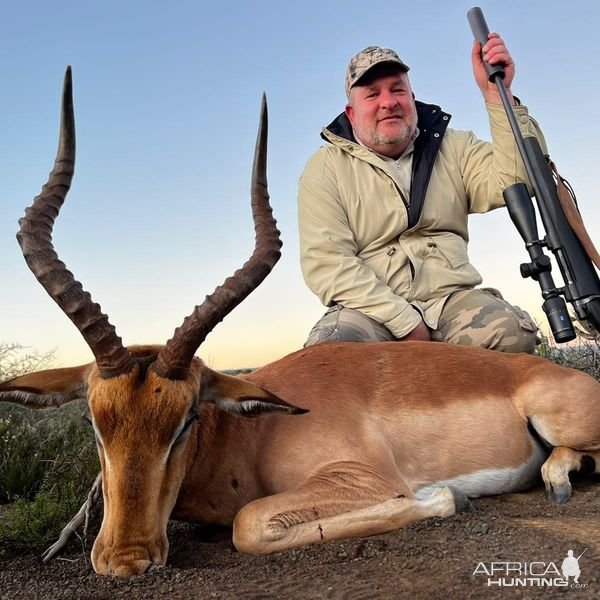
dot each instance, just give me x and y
(88, 419)
(191, 418)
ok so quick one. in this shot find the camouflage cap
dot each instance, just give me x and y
(366, 59)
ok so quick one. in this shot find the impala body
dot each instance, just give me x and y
(349, 439)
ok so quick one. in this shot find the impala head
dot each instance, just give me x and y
(145, 426)
(143, 401)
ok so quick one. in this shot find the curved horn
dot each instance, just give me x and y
(35, 239)
(174, 359)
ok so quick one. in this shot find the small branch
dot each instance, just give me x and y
(82, 516)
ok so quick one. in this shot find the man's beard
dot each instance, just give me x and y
(406, 135)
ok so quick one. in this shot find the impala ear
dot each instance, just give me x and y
(241, 397)
(46, 389)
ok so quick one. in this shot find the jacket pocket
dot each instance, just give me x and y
(379, 262)
(451, 247)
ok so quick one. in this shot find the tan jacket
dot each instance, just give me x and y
(356, 246)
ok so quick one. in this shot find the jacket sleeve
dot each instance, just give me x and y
(488, 168)
(330, 265)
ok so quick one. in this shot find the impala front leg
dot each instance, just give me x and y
(319, 512)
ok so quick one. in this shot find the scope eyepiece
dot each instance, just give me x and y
(559, 319)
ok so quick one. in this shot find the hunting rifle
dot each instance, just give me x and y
(565, 235)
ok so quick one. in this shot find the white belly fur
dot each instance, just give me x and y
(489, 482)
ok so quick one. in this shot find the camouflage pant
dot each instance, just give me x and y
(479, 317)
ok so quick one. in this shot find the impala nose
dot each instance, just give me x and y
(130, 569)
(128, 564)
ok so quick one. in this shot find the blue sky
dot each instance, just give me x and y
(167, 98)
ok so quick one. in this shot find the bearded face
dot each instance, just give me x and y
(383, 113)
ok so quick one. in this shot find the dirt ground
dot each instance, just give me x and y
(430, 559)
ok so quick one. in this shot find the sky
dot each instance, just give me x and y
(167, 99)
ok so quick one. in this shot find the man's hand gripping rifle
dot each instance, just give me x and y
(565, 236)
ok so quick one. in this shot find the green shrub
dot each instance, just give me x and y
(34, 525)
(581, 354)
(26, 446)
(48, 463)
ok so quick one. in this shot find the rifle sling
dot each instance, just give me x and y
(568, 201)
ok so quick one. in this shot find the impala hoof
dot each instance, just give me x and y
(461, 502)
(559, 494)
